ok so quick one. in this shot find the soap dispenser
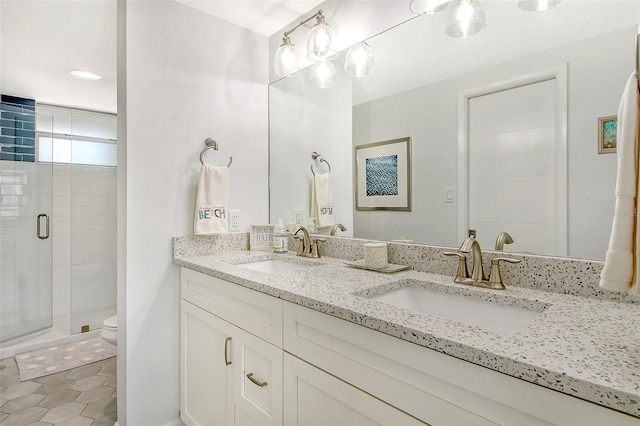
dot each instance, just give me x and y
(280, 238)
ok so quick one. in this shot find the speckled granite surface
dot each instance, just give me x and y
(586, 347)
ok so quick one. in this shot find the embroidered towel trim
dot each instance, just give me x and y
(211, 201)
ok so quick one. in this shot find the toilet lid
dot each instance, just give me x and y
(111, 322)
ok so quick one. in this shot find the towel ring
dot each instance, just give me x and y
(321, 159)
(211, 144)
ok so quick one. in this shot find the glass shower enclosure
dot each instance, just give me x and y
(26, 198)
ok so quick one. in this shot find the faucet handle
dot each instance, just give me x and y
(495, 279)
(463, 272)
(314, 246)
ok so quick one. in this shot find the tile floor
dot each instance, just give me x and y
(83, 396)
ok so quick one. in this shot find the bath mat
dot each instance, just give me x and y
(55, 359)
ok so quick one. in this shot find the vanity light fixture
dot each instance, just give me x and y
(359, 60)
(320, 40)
(428, 7)
(466, 18)
(319, 46)
(287, 59)
(537, 5)
(86, 75)
(322, 74)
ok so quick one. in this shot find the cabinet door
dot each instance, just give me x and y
(257, 381)
(206, 385)
(314, 398)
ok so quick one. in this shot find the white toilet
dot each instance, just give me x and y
(110, 329)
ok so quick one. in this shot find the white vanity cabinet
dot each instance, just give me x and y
(251, 359)
(228, 376)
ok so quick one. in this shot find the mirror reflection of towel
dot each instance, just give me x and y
(211, 201)
(321, 202)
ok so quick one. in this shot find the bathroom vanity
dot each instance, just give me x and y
(266, 343)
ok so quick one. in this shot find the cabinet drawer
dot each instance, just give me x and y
(248, 309)
(257, 381)
(313, 397)
(436, 388)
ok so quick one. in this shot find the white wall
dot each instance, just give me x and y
(433, 129)
(188, 76)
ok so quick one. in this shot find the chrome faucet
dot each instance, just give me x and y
(503, 238)
(336, 227)
(477, 278)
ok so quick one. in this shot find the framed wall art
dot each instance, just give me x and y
(607, 130)
(383, 175)
(261, 237)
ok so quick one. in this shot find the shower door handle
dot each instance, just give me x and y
(42, 216)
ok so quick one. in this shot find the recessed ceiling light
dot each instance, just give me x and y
(87, 75)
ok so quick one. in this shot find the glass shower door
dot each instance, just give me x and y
(26, 198)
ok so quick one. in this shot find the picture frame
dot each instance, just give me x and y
(261, 237)
(383, 175)
(607, 134)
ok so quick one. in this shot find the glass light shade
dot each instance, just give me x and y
(320, 41)
(359, 60)
(286, 61)
(537, 5)
(466, 18)
(322, 74)
(428, 7)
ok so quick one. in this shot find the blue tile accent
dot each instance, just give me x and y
(12, 108)
(7, 115)
(24, 133)
(17, 129)
(23, 150)
(7, 123)
(27, 116)
(25, 103)
(9, 157)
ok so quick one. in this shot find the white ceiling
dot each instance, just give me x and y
(262, 16)
(68, 34)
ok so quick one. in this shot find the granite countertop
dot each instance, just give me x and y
(583, 347)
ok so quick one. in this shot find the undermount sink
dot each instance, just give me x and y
(484, 314)
(276, 266)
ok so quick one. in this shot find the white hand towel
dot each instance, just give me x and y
(321, 201)
(211, 201)
(621, 260)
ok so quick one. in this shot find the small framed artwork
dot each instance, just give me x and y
(261, 237)
(383, 175)
(607, 129)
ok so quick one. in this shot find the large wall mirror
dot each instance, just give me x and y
(503, 127)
